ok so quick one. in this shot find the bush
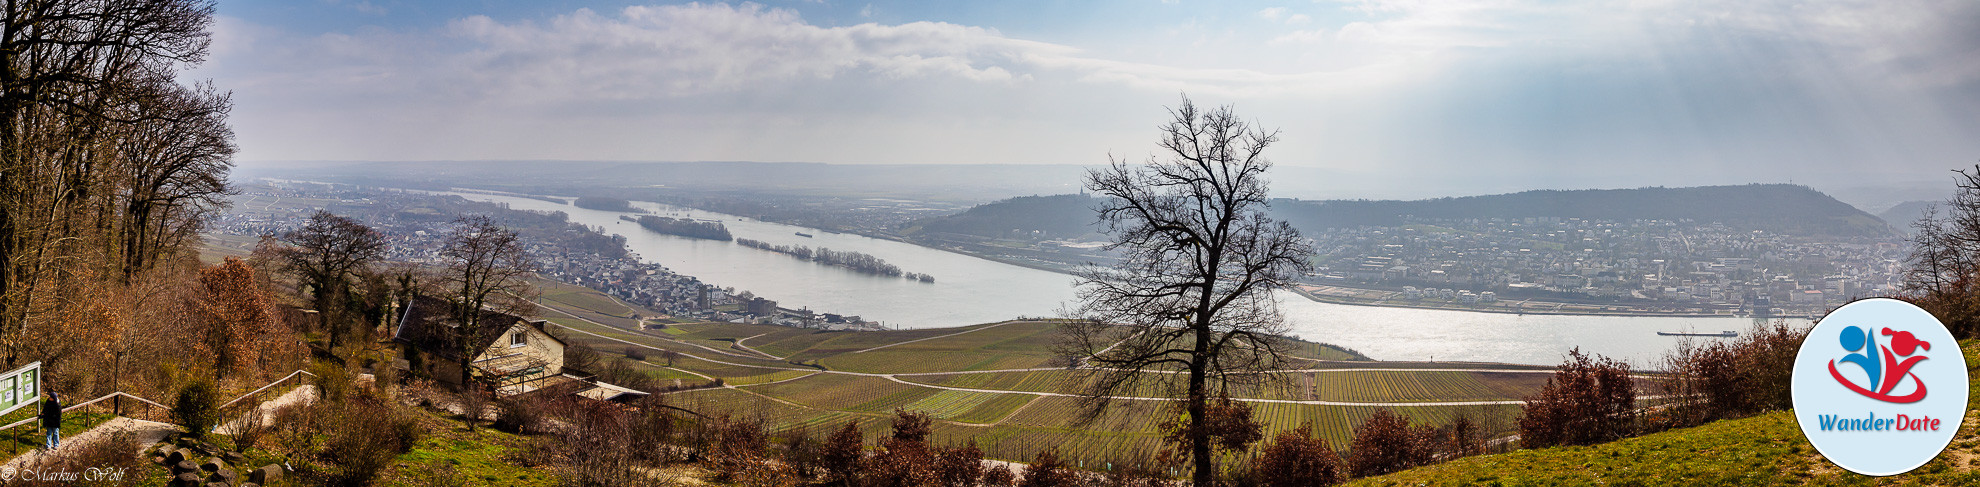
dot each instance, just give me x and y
(1730, 379)
(738, 455)
(110, 454)
(296, 427)
(1228, 425)
(596, 449)
(802, 453)
(911, 426)
(247, 427)
(333, 381)
(521, 414)
(842, 454)
(1386, 443)
(651, 438)
(1048, 471)
(196, 407)
(635, 352)
(1466, 437)
(959, 467)
(367, 436)
(473, 399)
(999, 476)
(1296, 458)
(904, 459)
(1587, 401)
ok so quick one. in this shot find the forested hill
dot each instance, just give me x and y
(1783, 208)
(1057, 216)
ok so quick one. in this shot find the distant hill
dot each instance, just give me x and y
(943, 182)
(1057, 216)
(1904, 214)
(1790, 209)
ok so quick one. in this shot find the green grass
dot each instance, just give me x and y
(31, 437)
(1763, 450)
(479, 458)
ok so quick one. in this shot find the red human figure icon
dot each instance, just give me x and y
(1903, 343)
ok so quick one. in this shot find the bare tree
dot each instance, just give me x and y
(1191, 297)
(74, 80)
(325, 254)
(1944, 274)
(486, 268)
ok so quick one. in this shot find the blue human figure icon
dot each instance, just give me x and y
(1854, 339)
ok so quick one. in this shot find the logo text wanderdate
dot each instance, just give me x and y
(1833, 422)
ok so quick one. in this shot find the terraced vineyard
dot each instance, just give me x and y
(999, 386)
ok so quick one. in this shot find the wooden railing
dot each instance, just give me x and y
(292, 375)
(153, 411)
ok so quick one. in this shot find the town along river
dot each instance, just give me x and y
(969, 290)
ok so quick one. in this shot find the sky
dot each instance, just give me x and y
(1373, 98)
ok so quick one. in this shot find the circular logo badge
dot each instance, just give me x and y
(1879, 387)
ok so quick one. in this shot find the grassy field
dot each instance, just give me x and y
(1763, 450)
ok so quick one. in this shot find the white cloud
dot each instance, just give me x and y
(1368, 83)
(362, 6)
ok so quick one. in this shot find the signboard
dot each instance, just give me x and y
(20, 387)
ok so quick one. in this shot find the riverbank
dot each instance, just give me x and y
(1316, 294)
(1352, 296)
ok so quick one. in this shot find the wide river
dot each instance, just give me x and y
(969, 290)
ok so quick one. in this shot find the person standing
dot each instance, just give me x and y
(51, 419)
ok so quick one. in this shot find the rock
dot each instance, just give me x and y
(218, 484)
(186, 478)
(266, 474)
(224, 475)
(185, 466)
(234, 457)
(176, 456)
(185, 442)
(213, 465)
(248, 484)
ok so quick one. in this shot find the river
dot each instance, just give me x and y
(969, 290)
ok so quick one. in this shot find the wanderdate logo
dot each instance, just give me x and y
(1879, 387)
(1886, 371)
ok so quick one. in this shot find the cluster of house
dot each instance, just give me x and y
(1464, 296)
(1672, 261)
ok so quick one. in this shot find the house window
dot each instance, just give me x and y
(518, 339)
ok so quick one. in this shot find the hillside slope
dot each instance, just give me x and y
(1904, 214)
(1781, 208)
(1764, 450)
(1056, 216)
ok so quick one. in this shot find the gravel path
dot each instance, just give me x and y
(147, 433)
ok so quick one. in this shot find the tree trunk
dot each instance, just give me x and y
(1205, 473)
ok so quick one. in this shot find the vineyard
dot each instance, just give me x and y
(828, 378)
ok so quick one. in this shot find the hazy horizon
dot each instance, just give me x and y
(1385, 98)
(1287, 182)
